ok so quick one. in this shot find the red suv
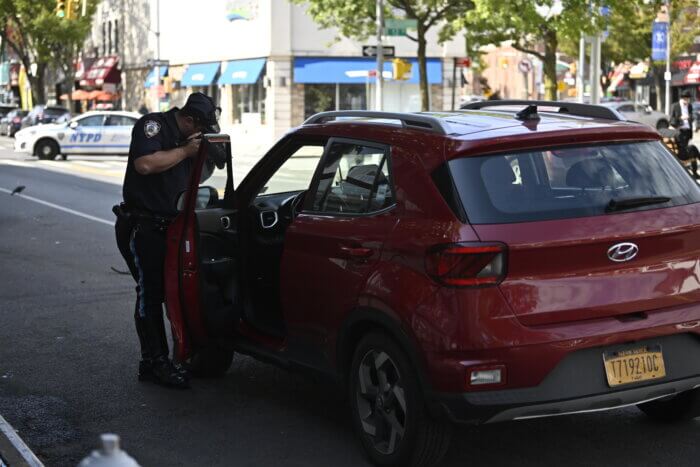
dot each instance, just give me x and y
(527, 260)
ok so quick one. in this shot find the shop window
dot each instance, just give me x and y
(325, 97)
(249, 101)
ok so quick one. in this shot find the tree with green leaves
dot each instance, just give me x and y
(629, 35)
(535, 28)
(36, 34)
(357, 19)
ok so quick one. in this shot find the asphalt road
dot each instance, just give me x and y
(68, 360)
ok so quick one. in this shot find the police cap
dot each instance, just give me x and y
(201, 107)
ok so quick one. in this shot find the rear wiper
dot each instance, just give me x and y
(630, 203)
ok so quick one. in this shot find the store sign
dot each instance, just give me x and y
(659, 38)
(245, 10)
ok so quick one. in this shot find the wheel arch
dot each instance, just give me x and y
(45, 138)
(364, 320)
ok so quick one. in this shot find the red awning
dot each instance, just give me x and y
(104, 70)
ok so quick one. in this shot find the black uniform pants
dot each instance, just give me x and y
(684, 137)
(142, 244)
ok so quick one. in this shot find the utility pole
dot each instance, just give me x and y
(667, 75)
(157, 69)
(595, 69)
(380, 56)
(580, 88)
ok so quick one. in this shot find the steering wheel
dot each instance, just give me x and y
(290, 207)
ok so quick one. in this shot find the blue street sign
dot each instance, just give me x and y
(659, 36)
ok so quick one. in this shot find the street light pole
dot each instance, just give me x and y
(157, 68)
(667, 75)
(580, 88)
(380, 55)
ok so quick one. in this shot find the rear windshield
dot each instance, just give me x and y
(54, 111)
(563, 183)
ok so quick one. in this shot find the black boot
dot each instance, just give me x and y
(165, 374)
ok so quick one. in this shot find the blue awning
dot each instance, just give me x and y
(151, 78)
(242, 71)
(355, 70)
(200, 74)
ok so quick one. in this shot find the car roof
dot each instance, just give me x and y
(482, 131)
(110, 112)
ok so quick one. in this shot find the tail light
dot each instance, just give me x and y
(467, 264)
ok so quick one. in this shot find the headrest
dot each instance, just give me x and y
(590, 173)
(496, 171)
(364, 175)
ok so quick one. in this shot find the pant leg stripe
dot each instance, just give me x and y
(132, 246)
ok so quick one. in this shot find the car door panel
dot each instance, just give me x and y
(201, 265)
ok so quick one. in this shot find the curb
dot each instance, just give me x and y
(13, 451)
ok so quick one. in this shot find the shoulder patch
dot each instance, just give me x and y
(151, 128)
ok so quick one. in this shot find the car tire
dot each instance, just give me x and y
(408, 435)
(682, 407)
(212, 361)
(46, 149)
(662, 124)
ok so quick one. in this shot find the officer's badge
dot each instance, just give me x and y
(151, 128)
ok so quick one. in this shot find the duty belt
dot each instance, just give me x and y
(130, 214)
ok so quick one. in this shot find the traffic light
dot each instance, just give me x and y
(401, 69)
(61, 8)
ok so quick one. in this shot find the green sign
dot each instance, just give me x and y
(398, 27)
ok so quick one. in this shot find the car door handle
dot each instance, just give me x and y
(356, 252)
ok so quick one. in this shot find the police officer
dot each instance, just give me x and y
(161, 157)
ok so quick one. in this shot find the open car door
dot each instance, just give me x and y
(200, 267)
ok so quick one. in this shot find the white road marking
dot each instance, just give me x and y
(22, 449)
(60, 208)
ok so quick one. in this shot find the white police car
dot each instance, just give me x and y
(95, 132)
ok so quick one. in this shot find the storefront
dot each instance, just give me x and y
(243, 92)
(685, 76)
(349, 83)
(103, 80)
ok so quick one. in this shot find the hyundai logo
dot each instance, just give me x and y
(622, 252)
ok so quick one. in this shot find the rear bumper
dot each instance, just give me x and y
(578, 384)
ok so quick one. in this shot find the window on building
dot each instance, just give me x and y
(116, 36)
(104, 39)
(248, 101)
(325, 97)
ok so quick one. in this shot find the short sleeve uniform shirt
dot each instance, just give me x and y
(156, 193)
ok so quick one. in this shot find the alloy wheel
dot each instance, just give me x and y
(381, 401)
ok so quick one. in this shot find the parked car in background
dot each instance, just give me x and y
(12, 122)
(42, 114)
(95, 133)
(640, 113)
(5, 109)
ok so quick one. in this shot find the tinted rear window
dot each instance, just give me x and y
(568, 182)
(53, 111)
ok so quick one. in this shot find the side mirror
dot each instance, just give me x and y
(206, 197)
(648, 109)
(73, 125)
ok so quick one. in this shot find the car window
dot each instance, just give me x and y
(296, 172)
(55, 111)
(93, 120)
(355, 179)
(626, 108)
(120, 120)
(564, 183)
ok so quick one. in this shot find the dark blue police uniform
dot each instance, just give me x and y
(149, 204)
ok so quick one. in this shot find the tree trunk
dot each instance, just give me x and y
(38, 85)
(550, 65)
(423, 70)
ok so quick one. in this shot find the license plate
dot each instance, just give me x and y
(633, 366)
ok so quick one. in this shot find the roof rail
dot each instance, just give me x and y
(408, 120)
(571, 108)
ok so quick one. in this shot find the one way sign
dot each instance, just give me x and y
(371, 50)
